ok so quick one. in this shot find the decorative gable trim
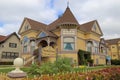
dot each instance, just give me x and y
(24, 27)
(96, 28)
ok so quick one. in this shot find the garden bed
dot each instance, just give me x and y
(112, 73)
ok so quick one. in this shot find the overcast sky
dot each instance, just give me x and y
(106, 12)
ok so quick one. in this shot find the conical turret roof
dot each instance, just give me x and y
(66, 18)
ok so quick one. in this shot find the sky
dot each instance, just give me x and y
(106, 12)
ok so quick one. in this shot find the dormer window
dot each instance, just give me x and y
(42, 34)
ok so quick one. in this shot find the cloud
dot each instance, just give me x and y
(111, 36)
(105, 11)
(9, 28)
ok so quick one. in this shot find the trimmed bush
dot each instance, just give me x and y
(115, 62)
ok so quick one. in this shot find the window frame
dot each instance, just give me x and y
(42, 34)
(70, 43)
(13, 45)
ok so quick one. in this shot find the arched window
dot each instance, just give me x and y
(69, 43)
(89, 46)
(25, 40)
(42, 34)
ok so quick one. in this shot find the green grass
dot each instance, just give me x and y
(88, 69)
(6, 70)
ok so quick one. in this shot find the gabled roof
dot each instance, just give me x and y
(87, 27)
(4, 38)
(66, 18)
(35, 25)
(112, 41)
(51, 34)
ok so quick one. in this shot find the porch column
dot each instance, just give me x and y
(39, 58)
(48, 41)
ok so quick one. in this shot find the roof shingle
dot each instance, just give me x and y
(4, 38)
(112, 41)
(66, 18)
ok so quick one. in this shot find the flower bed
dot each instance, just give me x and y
(104, 74)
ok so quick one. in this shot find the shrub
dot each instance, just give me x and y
(34, 69)
(60, 65)
(63, 64)
(115, 62)
(47, 68)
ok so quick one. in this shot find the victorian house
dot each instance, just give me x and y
(62, 37)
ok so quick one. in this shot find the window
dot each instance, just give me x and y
(95, 47)
(4, 55)
(25, 49)
(69, 43)
(25, 40)
(10, 55)
(89, 46)
(26, 27)
(12, 45)
(114, 55)
(1, 46)
(25, 43)
(113, 46)
(42, 34)
(32, 46)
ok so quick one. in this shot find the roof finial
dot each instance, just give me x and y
(67, 3)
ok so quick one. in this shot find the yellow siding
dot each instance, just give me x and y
(101, 59)
(24, 25)
(57, 32)
(59, 44)
(80, 35)
(97, 29)
(93, 36)
(81, 44)
(70, 55)
(29, 34)
(114, 48)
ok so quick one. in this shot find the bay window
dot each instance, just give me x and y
(69, 43)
